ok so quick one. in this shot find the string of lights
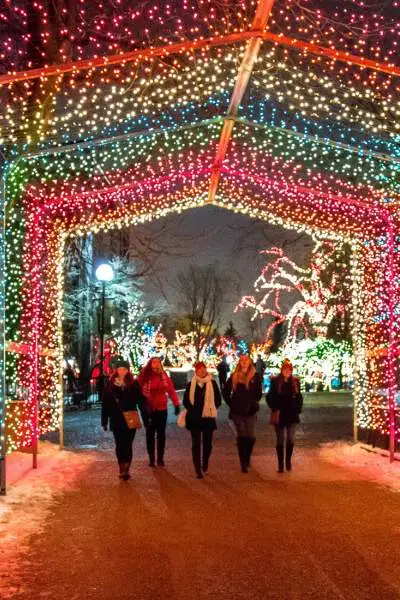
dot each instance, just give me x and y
(314, 147)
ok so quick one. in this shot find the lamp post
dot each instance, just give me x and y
(104, 273)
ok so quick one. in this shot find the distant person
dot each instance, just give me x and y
(286, 402)
(223, 370)
(260, 366)
(242, 393)
(202, 398)
(157, 386)
(122, 394)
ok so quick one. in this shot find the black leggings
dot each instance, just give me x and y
(157, 426)
(199, 436)
(123, 444)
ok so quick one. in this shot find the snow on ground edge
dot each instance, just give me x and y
(373, 464)
(30, 496)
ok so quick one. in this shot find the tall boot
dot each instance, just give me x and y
(197, 461)
(150, 443)
(280, 454)
(126, 475)
(289, 452)
(250, 446)
(160, 449)
(242, 451)
(207, 449)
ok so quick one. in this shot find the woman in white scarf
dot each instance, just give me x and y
(201, 400)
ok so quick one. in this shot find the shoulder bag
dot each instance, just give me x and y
(131, 417)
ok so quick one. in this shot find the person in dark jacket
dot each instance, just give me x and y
(284, 396)
(122, 394)
(201, 399)
(223, 370)
(242, 394)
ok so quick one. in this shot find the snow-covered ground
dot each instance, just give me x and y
(32, 493)
(365, 462)
(29, 498)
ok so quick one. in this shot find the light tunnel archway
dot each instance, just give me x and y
(239, 115)
(53, 215)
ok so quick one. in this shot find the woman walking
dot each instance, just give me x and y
(201, 399)
(286, 402)
(121, 396)
(157, 386)
(242, 394)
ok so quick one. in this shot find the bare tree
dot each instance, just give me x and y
(259, 234)
(202, 291)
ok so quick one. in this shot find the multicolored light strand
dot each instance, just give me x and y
(313, 146)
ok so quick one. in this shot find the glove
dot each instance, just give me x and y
(177, 410)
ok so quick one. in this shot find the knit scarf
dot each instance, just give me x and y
(209, 409)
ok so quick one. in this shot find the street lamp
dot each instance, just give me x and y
(104, 273)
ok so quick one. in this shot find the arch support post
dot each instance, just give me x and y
(391, 293)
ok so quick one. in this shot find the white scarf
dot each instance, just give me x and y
(209, 409)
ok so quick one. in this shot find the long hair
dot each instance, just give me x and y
(239, 377)
(147, 371)
(294, 381)
(128, 379)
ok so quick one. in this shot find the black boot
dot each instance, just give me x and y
(196, 461)
(280, 453)
(289, 452)
(150, 443)
(160, 450)
(242, 451)
(126, 467)
(249, 448)
(207, 449)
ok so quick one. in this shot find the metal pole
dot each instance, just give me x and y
(103, 301)
(392, 338)
(36, 405)
(61, 427)
(3, 486)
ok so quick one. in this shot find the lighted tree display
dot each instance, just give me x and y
(321, 364)
(320, 293)
(138, 339)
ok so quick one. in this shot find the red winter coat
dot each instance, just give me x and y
(157, 390)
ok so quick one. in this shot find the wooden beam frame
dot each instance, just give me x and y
(250, 56)
(233, 38)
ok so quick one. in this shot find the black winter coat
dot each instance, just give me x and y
(194, 415)
(244, 401)
(116, 400)
(285, 397)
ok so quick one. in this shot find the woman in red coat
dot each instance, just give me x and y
(156, 387)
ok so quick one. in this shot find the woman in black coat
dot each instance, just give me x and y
(286, 402)
(242, 394)
(122, 394)
(201, 399)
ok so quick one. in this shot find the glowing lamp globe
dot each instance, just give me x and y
(104, 272)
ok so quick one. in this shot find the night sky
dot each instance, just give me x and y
(210, 235)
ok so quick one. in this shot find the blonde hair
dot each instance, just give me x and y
(239, 377)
